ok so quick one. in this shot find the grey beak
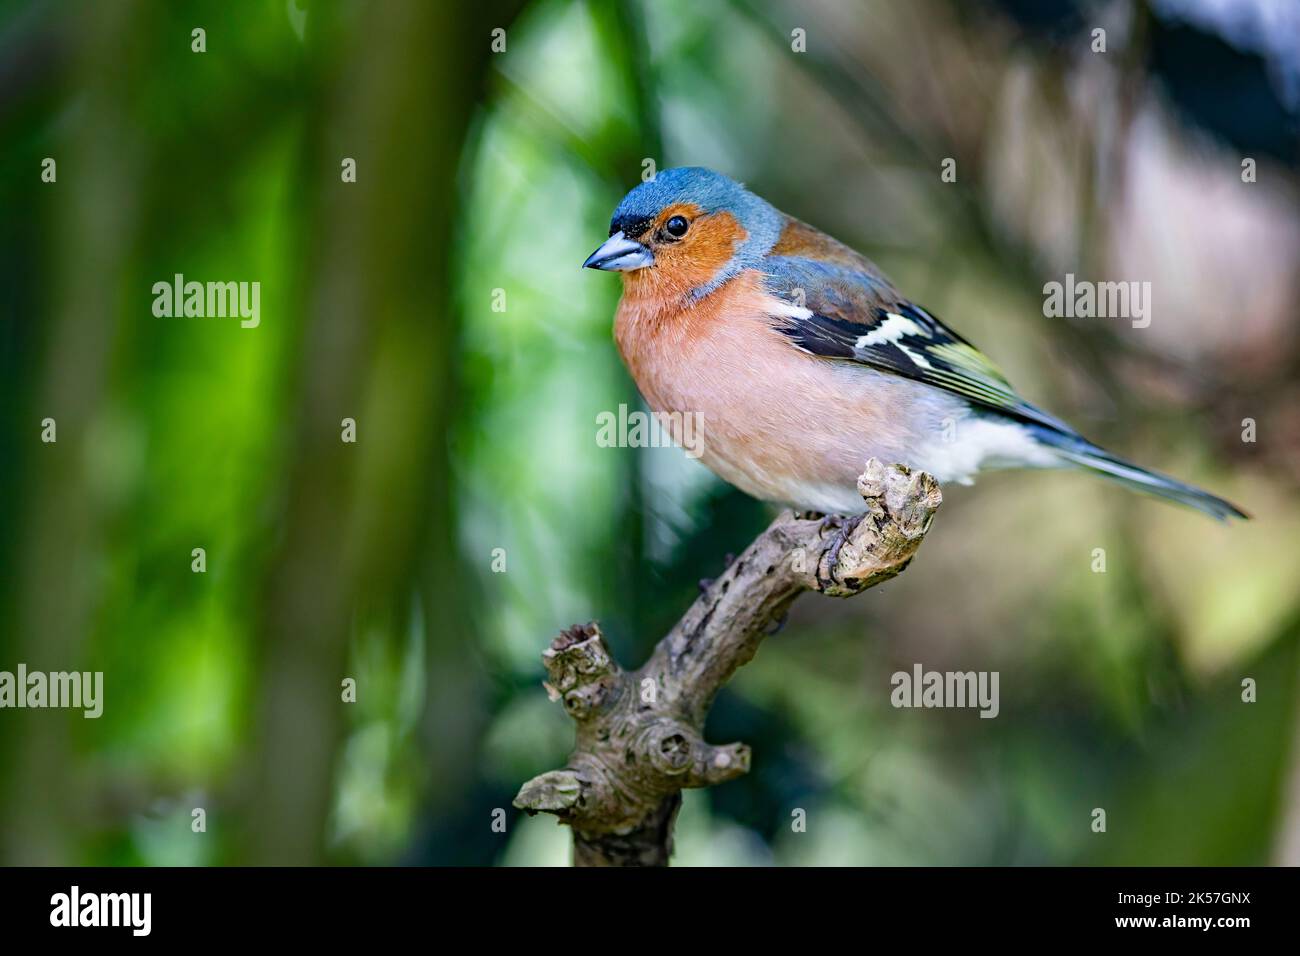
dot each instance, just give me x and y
(620, 254)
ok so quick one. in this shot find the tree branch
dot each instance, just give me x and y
(640, 734)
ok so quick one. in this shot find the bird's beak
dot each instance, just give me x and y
(620, 254)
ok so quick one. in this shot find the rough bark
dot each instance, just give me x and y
(640, 733)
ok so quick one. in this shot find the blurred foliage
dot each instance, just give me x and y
(480, 172)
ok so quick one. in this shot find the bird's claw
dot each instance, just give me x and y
(830, 522)
(846, 524)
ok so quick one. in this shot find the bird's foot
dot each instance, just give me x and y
(846, 524)
(831, 522)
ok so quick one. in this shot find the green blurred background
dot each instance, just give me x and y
(480, 171)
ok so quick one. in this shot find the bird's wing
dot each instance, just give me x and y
(839, 311)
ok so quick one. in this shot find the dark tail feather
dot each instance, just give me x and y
(1080, 452)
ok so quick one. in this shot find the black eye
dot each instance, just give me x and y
(677, 226)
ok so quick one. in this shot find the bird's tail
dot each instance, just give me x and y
(1078, 451)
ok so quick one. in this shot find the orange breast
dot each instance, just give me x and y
(774, 421)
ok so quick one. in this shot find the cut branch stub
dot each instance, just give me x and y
(639, 734)
(631, 750)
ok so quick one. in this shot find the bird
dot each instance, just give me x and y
(800, 360)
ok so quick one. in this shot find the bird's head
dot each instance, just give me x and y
(687, 231)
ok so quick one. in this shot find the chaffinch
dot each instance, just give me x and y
(802, 361)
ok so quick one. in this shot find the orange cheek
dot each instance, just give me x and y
(694, 260)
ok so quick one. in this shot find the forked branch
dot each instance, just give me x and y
(640, 733)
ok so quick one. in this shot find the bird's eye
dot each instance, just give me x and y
(677, 226)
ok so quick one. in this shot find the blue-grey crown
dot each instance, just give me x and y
(711, 192)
